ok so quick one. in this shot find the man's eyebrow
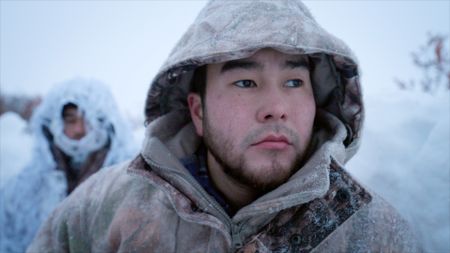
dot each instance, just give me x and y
(240, 64)
(297, 63)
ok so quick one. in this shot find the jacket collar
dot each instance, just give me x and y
(172, 137)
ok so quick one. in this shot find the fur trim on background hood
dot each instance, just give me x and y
(95, 101)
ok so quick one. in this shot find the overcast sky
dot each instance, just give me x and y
(123, 43)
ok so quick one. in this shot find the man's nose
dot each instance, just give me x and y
(273, 105)
(79, 130)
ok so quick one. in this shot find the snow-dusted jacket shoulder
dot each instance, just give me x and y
(30, 197)
(154, 204)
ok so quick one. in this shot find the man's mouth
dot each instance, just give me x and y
(273, 142)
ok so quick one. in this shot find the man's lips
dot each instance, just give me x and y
(273, 142)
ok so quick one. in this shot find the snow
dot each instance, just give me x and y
(405, 157)
(15, 146)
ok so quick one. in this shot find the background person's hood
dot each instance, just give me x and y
(95, 101)
(218, 35)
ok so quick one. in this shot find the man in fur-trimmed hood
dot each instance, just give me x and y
(77, 130)
(250, 122)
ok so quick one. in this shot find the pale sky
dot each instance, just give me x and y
(123, 43)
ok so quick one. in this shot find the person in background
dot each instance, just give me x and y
(250, 122)
(77, 130)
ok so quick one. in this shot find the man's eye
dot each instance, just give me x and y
(69, 119)
(294, 83)
(245, 83)
(69, 122)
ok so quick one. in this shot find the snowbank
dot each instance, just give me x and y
(15, 146)
(405, 157)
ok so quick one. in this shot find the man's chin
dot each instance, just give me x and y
(266, 184)
(264, 178)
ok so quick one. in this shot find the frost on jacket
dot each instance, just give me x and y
(154, 204)
(30, 197)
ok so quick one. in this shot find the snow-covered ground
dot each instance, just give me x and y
(404, 156)
(15, 146)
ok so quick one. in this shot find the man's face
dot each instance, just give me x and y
(257, 117)
(74, 125)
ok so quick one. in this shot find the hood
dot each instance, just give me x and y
(224, 31)
(95, 101)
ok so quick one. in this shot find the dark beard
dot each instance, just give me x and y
(220, 149)
(238, 174)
